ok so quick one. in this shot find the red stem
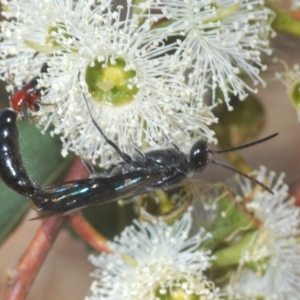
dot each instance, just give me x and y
(77, 221)
(88, 233)
(22, 277)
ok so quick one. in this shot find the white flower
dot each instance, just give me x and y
(121, 68)
(274, 248)
(31, 28)
(153, 259)
(221, 39)
(131, 91)
(291, 79)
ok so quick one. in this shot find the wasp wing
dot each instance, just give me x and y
(64, 198)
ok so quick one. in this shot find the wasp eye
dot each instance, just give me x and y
(199, 155)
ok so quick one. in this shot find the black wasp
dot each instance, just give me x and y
(12, 170)
(157, 169)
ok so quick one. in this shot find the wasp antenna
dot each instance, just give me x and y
(125, 156)
(243, 146)
(242, 174)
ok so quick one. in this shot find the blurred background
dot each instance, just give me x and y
(65, 273)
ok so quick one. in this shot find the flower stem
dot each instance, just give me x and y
(88, 233)
(77, 221)
(20, 279)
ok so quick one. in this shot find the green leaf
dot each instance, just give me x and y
(231, 255)
(44, 163)
(228, 221)
(13, 209)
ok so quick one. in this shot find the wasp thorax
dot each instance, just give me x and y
(199, 155)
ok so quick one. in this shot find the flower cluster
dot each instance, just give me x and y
(129, 71)
(159, 261)
(153, 261)
(218, 41)
(273, 250)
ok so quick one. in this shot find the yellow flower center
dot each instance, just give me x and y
(110, 83)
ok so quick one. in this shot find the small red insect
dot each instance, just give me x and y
(28, 96)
